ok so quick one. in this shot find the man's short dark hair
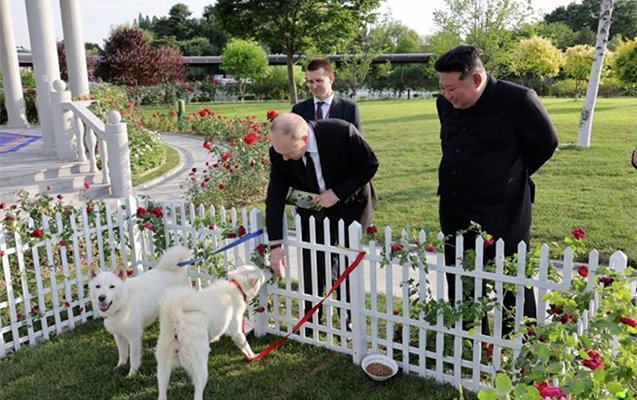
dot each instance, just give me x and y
(464, 59)
(319, 63)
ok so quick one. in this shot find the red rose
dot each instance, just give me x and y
(130, 272)
(241, 230)
(20, 316)
(232, 235)
(206, 145)
(87, 185)
(156, 211)
(628, 321)
(260, 309)
(606, 280)
(594, 361)
(62, 243)
(395, 312)
(148, 225)
(226, 156)
(14, 206)
(215, 165)
(89, 208)
(371, 229)
(555, 309)
(566, 318)
(222, 186)
(60, 196)
(203, 184)
(272, 115)
(141, 211)
(578, 233)
(431, 248)
(1, 253)
(233, 142)
(250, 138)
(583, 271)
(67, 304)
(34, 309)
(488, 242)
(211, 226)
(261, 248)
(3, 206)
(37, 233)
(396, 248)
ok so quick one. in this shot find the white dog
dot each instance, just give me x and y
(128, 306)
(190, 320)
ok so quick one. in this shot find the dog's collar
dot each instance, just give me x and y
(234, 282)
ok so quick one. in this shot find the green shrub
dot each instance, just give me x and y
(29, 93)
(565, 88)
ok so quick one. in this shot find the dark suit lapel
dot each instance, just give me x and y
(336, 110)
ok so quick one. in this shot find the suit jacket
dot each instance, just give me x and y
(489, 153)
(348, 164)
(341, 109)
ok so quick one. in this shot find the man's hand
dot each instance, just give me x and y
(326, 199)
(277, 258)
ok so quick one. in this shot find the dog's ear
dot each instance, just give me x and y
(120, 272)
(253, 281)
(94, 270)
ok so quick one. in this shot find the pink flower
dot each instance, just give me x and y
(396, 248)
(141, 211)
(583, 271)
(578, 233)
(261, 248)
(148, 225)
(628, 321)
(488, 242)
(431, 248)
(87, 185)
(37, 233)
(371, 229)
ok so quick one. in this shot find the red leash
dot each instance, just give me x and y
(309, 314)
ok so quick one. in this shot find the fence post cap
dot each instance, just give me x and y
(114, 117)
(59, 85)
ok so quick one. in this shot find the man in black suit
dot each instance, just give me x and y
(325, 103)
(343, 163)
(494, 136)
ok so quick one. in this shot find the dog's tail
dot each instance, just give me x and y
(172, 256)
(178, 320)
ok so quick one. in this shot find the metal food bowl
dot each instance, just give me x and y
(380, 359)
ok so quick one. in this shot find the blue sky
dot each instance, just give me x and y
(99, 15)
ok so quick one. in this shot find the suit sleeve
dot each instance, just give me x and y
(537, 132)
(356, 118)
(363, 164)
(275, 199)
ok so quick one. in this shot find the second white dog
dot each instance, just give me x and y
(190, 320)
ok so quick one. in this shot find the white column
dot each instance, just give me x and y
(45, 64)
(14, 99)
(62, 123)
(74, 44)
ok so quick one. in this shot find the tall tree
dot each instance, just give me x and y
(538, 57)
(295, 24)
(178, 24)
(129, 59)
(603, 30)
(244, 60)
(485, 24)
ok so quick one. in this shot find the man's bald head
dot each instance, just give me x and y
(290, 136)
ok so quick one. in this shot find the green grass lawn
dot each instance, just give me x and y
(595, 188)
(80, 365)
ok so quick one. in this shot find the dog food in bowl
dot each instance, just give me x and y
(379, 367)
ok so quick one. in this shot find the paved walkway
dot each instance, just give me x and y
(191, 153)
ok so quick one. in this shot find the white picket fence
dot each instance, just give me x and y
(59, 289)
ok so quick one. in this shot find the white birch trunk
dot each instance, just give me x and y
(586, 120)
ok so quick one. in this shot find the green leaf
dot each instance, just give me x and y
(570, 341)
(555, 368)
(489, 394)
(599, 374)
(532, 390)
(584, 355)
(471, 332)
(546, 297)
(503, 383)
(578, 386)
(614, 387)
(543, 352)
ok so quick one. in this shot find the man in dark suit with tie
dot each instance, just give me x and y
(343, 164)
(324, 103)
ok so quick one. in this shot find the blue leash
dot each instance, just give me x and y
(224, 248)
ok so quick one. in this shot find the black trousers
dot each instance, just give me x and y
(323, 261)
(455, 216)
